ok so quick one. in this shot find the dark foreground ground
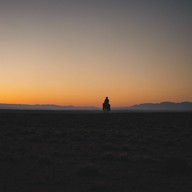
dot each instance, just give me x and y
(95, 152)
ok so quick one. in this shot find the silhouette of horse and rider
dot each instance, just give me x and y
(106, 105)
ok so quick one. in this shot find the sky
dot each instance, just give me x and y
(77, 52)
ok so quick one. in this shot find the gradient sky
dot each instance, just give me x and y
(77, 52)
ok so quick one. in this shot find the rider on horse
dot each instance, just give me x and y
(106, 105)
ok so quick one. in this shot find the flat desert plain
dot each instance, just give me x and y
(54, 151)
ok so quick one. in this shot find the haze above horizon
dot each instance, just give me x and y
(69, 52)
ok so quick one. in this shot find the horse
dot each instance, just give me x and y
(106, 107)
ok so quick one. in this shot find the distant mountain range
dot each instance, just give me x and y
(43, 107)
(164, 106)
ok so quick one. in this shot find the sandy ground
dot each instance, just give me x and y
(96, 152)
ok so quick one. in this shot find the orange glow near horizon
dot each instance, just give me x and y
(82, 99)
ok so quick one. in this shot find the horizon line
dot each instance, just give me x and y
(92, 106)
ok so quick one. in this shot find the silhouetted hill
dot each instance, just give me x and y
(164, 106)
(43, 107)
